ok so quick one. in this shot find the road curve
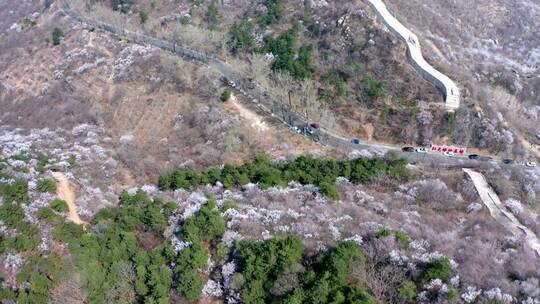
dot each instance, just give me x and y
(499, 212)
(441, 81)
(265, 101)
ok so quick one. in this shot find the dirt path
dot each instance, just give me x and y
(65, 192)
(499, 212)
(253, 119)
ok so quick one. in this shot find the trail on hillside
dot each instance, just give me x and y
(499, 212)
(66, 193)
(254, 120)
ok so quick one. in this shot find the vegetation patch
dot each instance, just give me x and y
(275, 270)
(46, 185)
(321, 172)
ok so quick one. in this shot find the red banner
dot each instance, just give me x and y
(442, 149)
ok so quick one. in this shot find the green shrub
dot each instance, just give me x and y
(57, 36)
(205, 225)
(453, 294)
(59, 205)
(450, 117)
(274, 12)
(225, 95)
(408, 291)
(437, 269)
(169, 208)
(190, 285)
(298, 65)
(241, 36)
(15, 192)
(72, 160)
(338, 81)
(373, 88)
(402, 238)
(384, 233)
(43, 161)
(143, 17)
(46, 214)
(331, 278)
(7, 294)
(46, 185)
(23, 156)
(11, 214)
(188, 261)
(261, 262)
(228, 204)
(329, 190)
(211, 16)
(68, 232)
(42, 273)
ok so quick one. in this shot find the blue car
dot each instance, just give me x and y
(356, 141)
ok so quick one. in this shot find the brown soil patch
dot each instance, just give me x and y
(65, 192)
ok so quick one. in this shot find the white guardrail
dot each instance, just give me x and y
(441, 81)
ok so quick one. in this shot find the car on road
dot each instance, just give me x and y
(507, 161)
(530, 164)
(449, 154)
(421, 150)
(356, 141)
(474, 156)
(407, 149)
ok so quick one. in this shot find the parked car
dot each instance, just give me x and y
(315, 125)
(530, 164)
(407, 149)
(474, 156)
(356, 141)
(296, 129)
(421, 150)
(507, 161)
(449, 154)
(310, 131)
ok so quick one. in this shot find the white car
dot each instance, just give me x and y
(296, 129)
(421, 150)
(530, 164)
(449, 154)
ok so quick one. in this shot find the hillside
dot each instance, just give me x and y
(132, 174)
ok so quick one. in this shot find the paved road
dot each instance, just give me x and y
(499, 212)
(265, 101)
(441, 81)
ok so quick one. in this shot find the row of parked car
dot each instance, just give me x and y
(308, 130)
(471, 156)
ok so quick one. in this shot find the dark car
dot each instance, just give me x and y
(507, 161)
(407, 149)
(315, 125)
(474, 156)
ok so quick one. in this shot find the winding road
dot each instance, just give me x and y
(271, 105)
(441, 81)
